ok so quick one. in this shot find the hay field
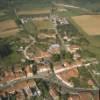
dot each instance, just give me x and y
(9, 33)
(89, 23)
(7, 28)
(34, 11)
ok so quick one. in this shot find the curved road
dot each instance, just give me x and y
(53, 80)
(27, 47)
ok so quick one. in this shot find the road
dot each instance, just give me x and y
(40, 73)
(53, 79)
(27, 47)
(67, 6)
(18, 80)
(70, 6)
(67, 85)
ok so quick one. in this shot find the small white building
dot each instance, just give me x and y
(73, 48)
(55, 48)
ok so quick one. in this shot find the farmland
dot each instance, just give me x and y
(43, 24)
(2, 13)
(33, 11)
(89, 23)
(7, 28)
(94, 39)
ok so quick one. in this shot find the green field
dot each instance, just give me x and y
(30, 4)
(34, 11)
(72, 12)
(94, 45)
(4, 15)
(43, 24)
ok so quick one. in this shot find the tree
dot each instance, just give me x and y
(34, 67)
(56, 57)
(66, 55)
(51, 66)
(5, 48)
(44, 87)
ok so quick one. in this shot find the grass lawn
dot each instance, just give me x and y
(30, 28)
(43, 24)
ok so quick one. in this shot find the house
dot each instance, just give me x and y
(8, 75)
(66, 64)
(74, 97)
(65, 76)
(77, 63)
(53, 92)
(66, 38)
(42, 55)
(55, 48)
(86, 96)
(28, 91)
(20, 95)
(90, 82)
(43, 68)
(28, 71)
(62, 20)
(73, 48)
(76, 56)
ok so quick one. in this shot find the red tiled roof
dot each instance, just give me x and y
(19, 86)
(66, 75)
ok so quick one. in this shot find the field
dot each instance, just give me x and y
(30, 4)
(43, 24)
(89, 23)
(2, 13)
(8, 27)
(34, 11)
(94, 40)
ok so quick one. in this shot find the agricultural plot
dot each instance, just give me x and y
(8, 27)
(2, 13)
(34, 11)
(43, 24)
(89, 23)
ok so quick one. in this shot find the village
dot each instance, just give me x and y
(53, 63)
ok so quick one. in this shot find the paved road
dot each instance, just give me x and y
(18, 80)
(41, 72)
(66, 87)
(53, 79)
